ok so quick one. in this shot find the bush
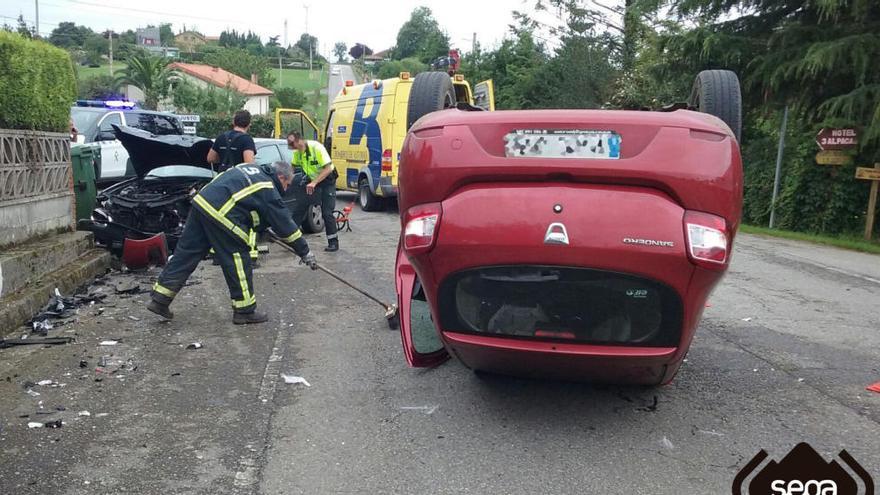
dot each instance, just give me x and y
(211, 126)
(101, 87)
(288, 98)
(37, 85)
(812, 198)
(393, 68)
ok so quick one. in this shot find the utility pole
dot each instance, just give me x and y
(110, 36)
(37, 16)
(474, 44)
(779, 153)
(285, 34)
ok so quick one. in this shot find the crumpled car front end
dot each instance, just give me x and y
(171, 170)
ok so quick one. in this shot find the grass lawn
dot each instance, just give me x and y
(83, 72)
(300, 79)
(852, 243)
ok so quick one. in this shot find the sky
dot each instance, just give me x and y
(375, 22)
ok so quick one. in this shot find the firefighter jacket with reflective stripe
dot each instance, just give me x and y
(232, 197)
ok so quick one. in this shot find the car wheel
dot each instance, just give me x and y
(366, 198)
(431, 91)
(314, 220)
(717, 92)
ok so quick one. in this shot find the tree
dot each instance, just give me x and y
(150, 74)
(289, 98)
(340, 49)
(69, 35)
(421, 37)
(101, 87)
(240, 62)
(360, 50)
(247, 41)
(25, 30)
(94, 46)
(212, 100)
(307, 42)
(393, 68)
(166, 34)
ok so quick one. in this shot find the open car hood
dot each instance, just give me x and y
(148, 151)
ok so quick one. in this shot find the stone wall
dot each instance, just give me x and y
(36, 184)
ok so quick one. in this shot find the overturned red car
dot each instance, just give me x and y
(576, 244)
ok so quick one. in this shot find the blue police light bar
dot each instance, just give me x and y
(123, 104)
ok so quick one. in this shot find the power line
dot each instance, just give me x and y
(154, 13)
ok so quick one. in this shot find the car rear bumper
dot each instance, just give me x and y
(635, 365)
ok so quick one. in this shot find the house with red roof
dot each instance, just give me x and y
(257, 102)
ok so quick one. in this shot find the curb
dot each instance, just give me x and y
(16, 309)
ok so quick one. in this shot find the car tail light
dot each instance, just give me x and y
(386, 161)
(349, 83)
(707, 239)
(421, 226)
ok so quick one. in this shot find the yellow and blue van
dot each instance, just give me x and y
(367, 123)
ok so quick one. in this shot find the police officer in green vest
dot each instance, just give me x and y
(319, 181)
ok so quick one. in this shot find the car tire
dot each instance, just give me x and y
(366, 198)
(431, 91)
(314, 222)
(717, 92)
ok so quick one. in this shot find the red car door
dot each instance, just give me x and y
(421, 340)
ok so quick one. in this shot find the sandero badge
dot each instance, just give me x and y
(803, 471)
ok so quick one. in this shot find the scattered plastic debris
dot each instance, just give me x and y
(666, 443)
(34, 424)
(46, 383)
(53, 424)
(85, 414)
(108, 342)
(195, 345)
(83, 363)
(133, 318)
(875, 387)
(295, 379)
(42, 327)
(32, 393)
(748, 319)
(60, 308)
(101, 415)
(424, 409)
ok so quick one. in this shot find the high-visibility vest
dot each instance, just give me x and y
(312, 160)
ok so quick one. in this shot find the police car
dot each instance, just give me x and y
(94, 120)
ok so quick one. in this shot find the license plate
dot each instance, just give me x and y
(562, 143)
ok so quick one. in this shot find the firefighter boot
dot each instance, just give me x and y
(332, 245)
(248, 318)
(160, 309)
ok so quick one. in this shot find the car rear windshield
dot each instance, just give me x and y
(154, 123)
(561, 304)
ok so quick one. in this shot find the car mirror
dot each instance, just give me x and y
(105, 135)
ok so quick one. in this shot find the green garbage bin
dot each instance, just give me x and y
(84, 157)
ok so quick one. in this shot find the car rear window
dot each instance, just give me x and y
(158, 124)
(561, 304)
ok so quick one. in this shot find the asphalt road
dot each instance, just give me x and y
(336, 83)
(783, 356)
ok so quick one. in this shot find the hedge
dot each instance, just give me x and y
(37, 84)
